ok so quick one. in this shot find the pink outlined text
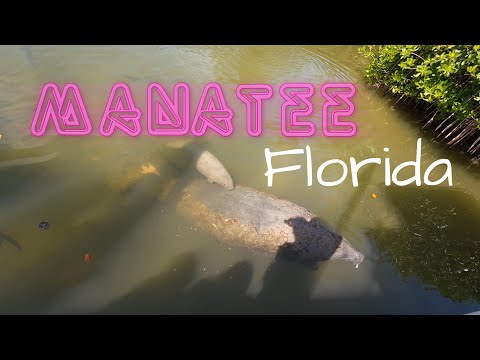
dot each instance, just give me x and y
(212, 112)
(65, 109)
(253, 95)
(297, 105)
(166, 117)
(338, 92)
(169, 113)
(120, 112)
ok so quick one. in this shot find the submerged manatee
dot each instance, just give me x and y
(249, 218)
(239, 216)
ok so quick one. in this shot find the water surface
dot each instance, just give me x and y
(422, 244)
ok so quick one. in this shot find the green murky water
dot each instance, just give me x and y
(422, 244)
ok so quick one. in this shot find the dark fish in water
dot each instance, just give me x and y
(28, 161)
(12, 241)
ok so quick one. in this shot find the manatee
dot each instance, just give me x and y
(258, 221)
(240, 217)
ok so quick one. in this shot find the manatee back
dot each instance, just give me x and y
(249, 218)
(247, 205)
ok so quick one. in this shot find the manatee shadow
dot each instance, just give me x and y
(438, 241)
(287, 286)
(162, 294)
(287, 289)
(223, 294)
(171, 291)
(289, 280)
(9, 239)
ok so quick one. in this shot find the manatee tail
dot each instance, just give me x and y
(206, 164)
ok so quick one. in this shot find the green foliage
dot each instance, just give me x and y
(447, 76)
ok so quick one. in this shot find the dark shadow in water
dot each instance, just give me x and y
(287, 285)
(438, 241)
(169, 292)
(225, 293)
(162, 294)
(12, 241)
(287, 289)
(309, 235)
